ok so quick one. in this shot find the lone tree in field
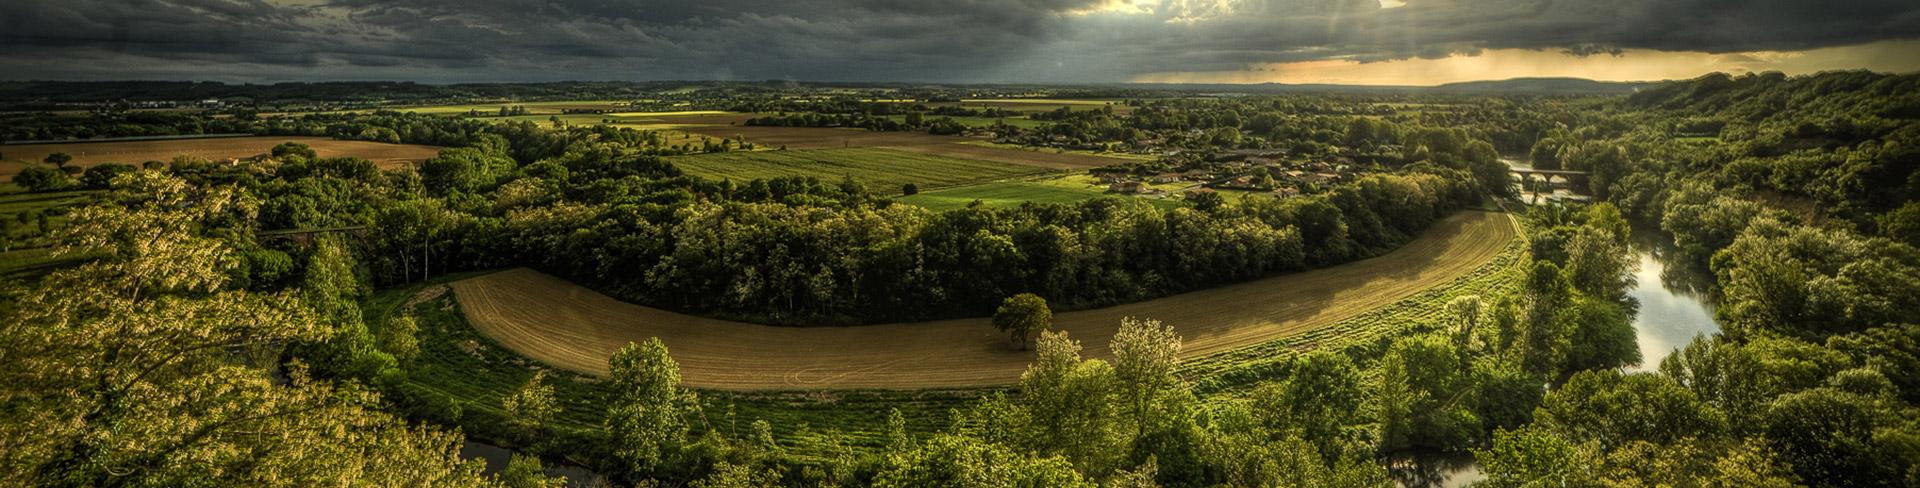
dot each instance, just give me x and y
(648, 422)
(59, 159)
(1022, 315)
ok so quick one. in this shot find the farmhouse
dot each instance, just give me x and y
(1258, 153)
(1317, 178)
(1128, 187)
(1164, 178)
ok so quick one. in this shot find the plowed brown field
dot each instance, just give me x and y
(135, 152)
(565, 325)
(920, 142)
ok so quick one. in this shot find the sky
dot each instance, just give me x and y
(1370, 42)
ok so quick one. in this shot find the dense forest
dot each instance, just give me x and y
(190, 347)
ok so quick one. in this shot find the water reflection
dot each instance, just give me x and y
(497, 458)
(1675, 297)
(1434, 470)
(1537, 191)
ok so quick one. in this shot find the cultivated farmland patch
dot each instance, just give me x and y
(883, 170)
(137, 152)
(568, 326)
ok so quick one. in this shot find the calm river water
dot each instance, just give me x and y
(1675, 305)
(1675, 298)
(497, 458)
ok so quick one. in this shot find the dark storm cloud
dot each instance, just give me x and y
(958, 40)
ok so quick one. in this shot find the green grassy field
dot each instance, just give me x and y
(1001, 193)
(14, 200)
(533, 108)
(570, 119)
(1117, 155)
(884, 171)
(28, 254)
(1363, 337)
(1013, 193)
(618, 118)
(470, 374)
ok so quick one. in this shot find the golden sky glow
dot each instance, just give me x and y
(1500, 64)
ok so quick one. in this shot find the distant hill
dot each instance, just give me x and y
(1551, 86)
(1516, 86)
(48, 94)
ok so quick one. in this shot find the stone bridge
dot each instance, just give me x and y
(1547, 175)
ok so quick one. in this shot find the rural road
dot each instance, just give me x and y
(568, 326)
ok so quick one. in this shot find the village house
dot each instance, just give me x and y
(1241, 182)
(1258, 153)
(1319, 178)
(1164, 178)
(1128, 187)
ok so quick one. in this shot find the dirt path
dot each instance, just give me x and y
(565, 325)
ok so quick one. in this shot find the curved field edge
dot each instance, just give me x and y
(462, 375)
(571, 327)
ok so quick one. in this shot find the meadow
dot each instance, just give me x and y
(462, 375)
(468, 372)
(564, 325)
(883, 170)
(27, 253)
(1104, 155)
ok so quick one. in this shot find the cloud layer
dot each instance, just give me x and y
(870, 40)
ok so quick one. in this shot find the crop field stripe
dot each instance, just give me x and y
(868, 165)
(797, 138)
(568, 326)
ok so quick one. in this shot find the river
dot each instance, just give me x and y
(497, 457)
(1675, 297)
(1675, 305)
